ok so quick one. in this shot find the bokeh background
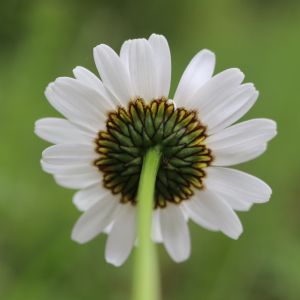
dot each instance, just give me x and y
(43, 40)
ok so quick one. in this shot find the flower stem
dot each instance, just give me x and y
(146, 274)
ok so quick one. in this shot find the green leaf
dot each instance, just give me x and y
(117, 180)
(134, 151)
(188, 151)
(106, 161)
(177, 162)
(184, 122)
(159, 135)
(123, 157)
(178, 136)
(122, 139)
(149, 124)
(170, 151)
(162, 175)
(138, 125)
(160, 115)
(125, 117)
(132, 182)
(175, 187)
(121, 124)
(140, 109)
(170, 124)
(110, 144)
(191, 136)
(168, 112)
(131, 170)
(154, 110)
(163, 190)
(191, 171)
(135, 162)
(175, 176)
(136, 137)
(192, 179)
(146, 140)
(114, 168)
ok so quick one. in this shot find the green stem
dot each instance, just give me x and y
(146, 274)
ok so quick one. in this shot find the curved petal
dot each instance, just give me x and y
(95, 220)
(231, 109)
(79, 181)
(83, 97)
(113, 73)
(124, 54)
(87, 197)
(156, 231)
(215, 91)
(175, 233)
(122, 236)
(197, 73)
(87, 77)
(142, 68)
(162, 56)
(247, 134)
(68, 110)
(236, 143)
(202, 220)
(67, 169)
(209, 205)
(69, 154)
(237, 185)
(74, 108)
(235, 203)
(61, 131)
(231, 159)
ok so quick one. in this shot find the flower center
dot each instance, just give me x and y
(177, 133)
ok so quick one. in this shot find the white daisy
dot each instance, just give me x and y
(109, 123)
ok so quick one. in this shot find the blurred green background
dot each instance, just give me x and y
(43, 40)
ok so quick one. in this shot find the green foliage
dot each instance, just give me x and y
(42, 40)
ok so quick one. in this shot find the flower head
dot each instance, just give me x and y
(109, 125)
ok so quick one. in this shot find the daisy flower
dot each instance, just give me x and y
(100, 146)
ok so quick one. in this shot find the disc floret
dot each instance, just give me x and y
(178, 134)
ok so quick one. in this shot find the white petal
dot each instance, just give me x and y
(240, 140)
(79, 181)
(156, 231)
(61, 131)
(124, 54)
(162, 58)
(87, 77)
(249, 133)
(197, 73)
(67, 169)
(237, 185)
(209, 205)
(87, 197)
(204, 221)
(95, 220)
(215, 91)
(75, 108)
(142, 68)
(231, 159)
(231, 109)
(108, 228)
(113, 73)
(69, 154)
(122, 236)
(175, 233)
(83, 97)
(67, 110)
(236, 203)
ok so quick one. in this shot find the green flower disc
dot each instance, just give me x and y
(177, 133)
